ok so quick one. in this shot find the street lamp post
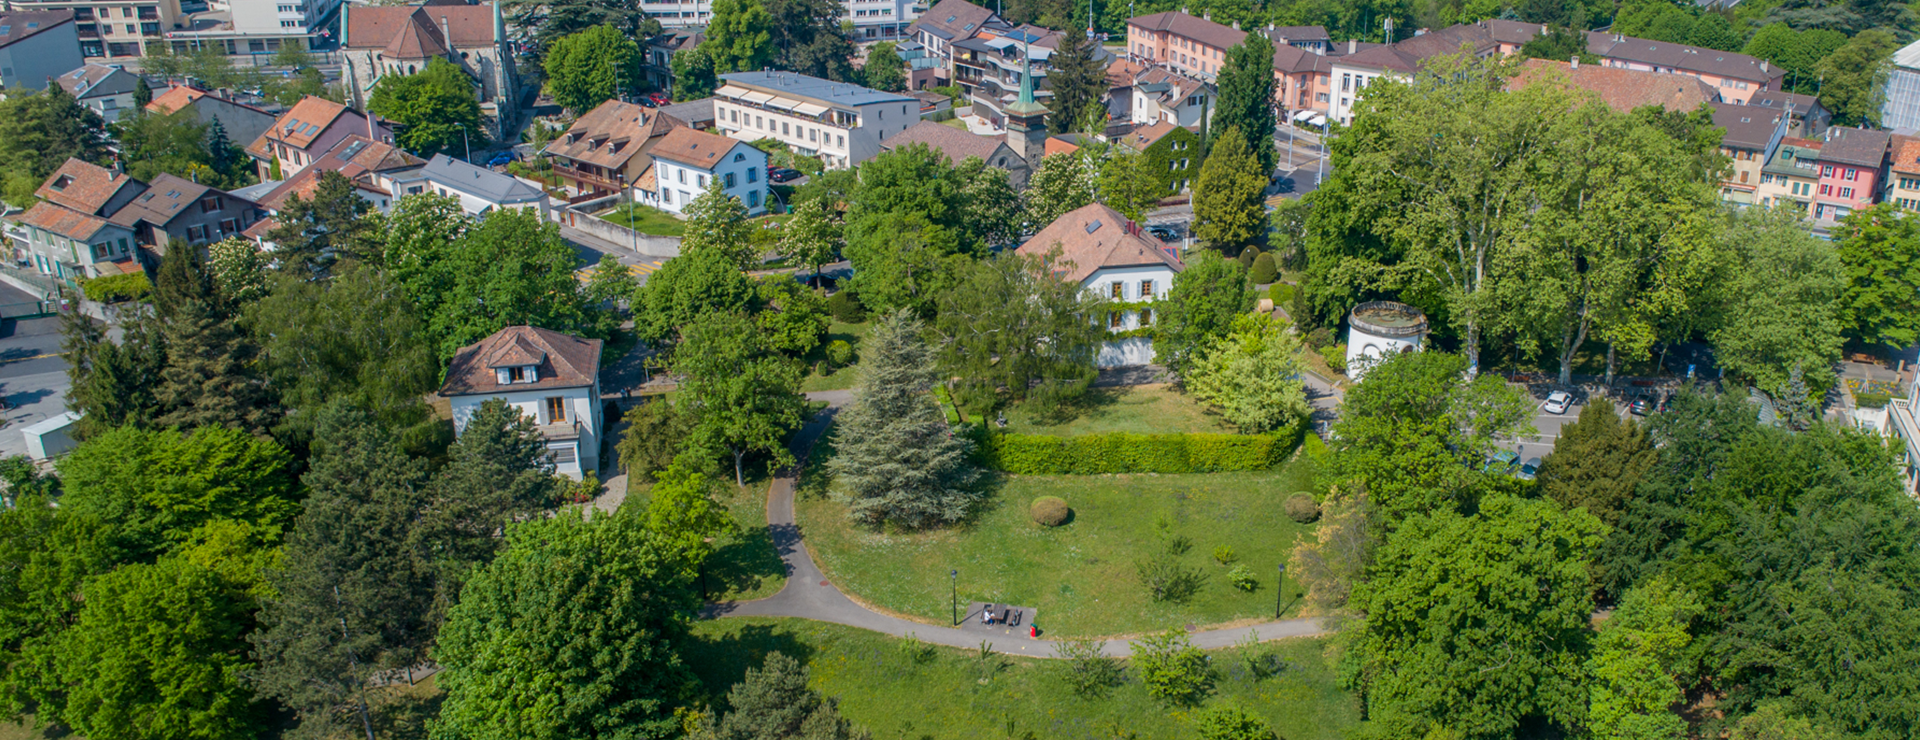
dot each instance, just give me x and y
(1280, 591)
(954, 575)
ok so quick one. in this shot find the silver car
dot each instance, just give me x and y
(1558, 402)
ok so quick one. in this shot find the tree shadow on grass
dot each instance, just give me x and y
(720, 661)
(1087, 403)
(744, 563)
(403, 715)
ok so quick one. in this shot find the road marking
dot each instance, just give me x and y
(35, 357)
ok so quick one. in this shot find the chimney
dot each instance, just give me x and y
(446, 36)
(1353, 46)
(1576, 61)
(1763, 65)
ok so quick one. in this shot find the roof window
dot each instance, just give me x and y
(1093, 226)
(62, 183)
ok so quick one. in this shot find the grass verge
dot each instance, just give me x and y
(646, 220)
(1142, 409)
(821, 377)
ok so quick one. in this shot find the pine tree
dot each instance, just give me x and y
(496, 473)
(774, 702)
(1246, 98)
(1077, 80)
(1228, 210)
(209, 378)
(898, 461)
(143, 93)
(112, 384)
(1597, 462)
(333, 224)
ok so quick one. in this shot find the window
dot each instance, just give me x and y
(753, 174)
(740, 157)
(1826, 170)
(1851, 174)
(729, 179)
(842, 143)
(1743, 176)
(195, 233)
(1115, 320)
(556, 410)
(1146, 316)
(520, 374)
(700, 180)
(813, 134)
(561, 454)
(784, 130)
(230, 226)
(683, 177)
(1146, 289)
(1846, 192)
(753, 199)
(210, 204)
(1826, 189)
(1119, 290)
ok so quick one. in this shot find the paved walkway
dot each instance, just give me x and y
(808, 593)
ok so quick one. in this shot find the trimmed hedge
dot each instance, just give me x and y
(132, 286)
(1119, 452)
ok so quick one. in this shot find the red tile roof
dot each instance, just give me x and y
(84, 187)
(611, 134)
(694, 147)
(65, 222)
(561, 361)
(1095, 236)
(175, 98)
(958, 145)
(1187, 26)
(1623, 89)
(299, 126)
(1906, 155)
(416, 32)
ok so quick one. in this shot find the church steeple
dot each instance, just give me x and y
(1026, 118)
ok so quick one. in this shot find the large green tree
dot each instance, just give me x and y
(774, 701)
(152, 144)
(897, 461)
(1064, 182)
(685, 288)
(1596, 462)
(40, 131)
(470, 278)
(1013, 325)
(593, 66)
(746, 396)
(1477, 624)
(158, 488)
(694, 75)
(1246, 99)
(813, 237)
(718, 222)
(1078, 81)
(1880, 250)
(884, 70)
(497, 473)
(112, 383)
(739, 36)
(1251, 376)
(1201, 305)
(437, 109)
(1853, 78)
(808, 37)
(1229, 206)
(554, 640)
(310, 233)
(913, 221)
(1635, 658)
(1781, 311)
(212, 376)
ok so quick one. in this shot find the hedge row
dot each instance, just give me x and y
(132, 286)
(1118, 452)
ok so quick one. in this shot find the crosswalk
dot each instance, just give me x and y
(639, 271)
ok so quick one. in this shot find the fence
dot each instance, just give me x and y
(646, 244)
(28, 309)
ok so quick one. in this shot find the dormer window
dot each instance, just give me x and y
(516, 374)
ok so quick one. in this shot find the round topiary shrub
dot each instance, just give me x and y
(1302, 508)
(1050, 511)
(1263, 271)
(845, 307)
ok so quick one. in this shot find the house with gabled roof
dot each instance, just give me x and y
(482, 191)
(549, 377)
(958, 145)
(243, 123)
(948, 23)
(1174, 153)
(1752, 133)
(101, 88)
(380, 41)
(605, 151)
(93, 221)
(380, 172)
(686, 161)
(1105, 253)
(1903, 172)
(1738, 76)
(1853, 163)
(37, 46)
(308, 130)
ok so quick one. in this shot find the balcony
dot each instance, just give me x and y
(583, 177)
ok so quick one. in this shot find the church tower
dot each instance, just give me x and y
(1026, 119)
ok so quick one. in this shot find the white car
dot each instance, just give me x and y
(1558, 402)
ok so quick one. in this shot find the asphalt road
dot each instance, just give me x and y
(33, 375)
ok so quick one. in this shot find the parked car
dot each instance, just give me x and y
(1558, 402)
(1501, 462)
(501, 159)
(1641, 406)
(783, 174)
(1529, 470)
(1162, 233)
(647, 102)
(659, 98)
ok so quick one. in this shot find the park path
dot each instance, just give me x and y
(809, 594)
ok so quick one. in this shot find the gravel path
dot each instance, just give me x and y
(808, 593)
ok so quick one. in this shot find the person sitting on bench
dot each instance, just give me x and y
(986, 615)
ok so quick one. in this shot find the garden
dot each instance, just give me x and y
(1142, 409)
(908, 689)
(645, 219)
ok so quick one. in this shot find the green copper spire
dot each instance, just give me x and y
(1026, 105)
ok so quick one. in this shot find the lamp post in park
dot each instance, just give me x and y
(954, 576)
(1279, 591)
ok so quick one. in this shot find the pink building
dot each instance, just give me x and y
(1738, 76)
(1851, 167)
(1195, 47)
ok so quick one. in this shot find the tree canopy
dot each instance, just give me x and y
(437, 109)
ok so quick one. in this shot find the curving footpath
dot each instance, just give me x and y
(808, 593)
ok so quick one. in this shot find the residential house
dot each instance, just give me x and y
(948, 23)
(871, 20)
(686, 161)
(1302, 79)
(36, 46)
(990, 66)
(256, 27)
(381, 173)
(1852, 163)
(1751, 135)
(121, 28)
(1311, 39)
(695, 113)
(1902, 426)
(70, 246)
(660, 50)
(103, 89)
(606, 150)
(1192, 46)
(1789, 177)
(243, 123)
(308, 130)
(1105, 253)
(1903, 173)
(94, 221)
(839, 122)
(549, 377)
(1900, 97)
(480, 190)
(1620, 88)
(1738, 76)
(1358, 67)
(959, 145)
(176, 209)
(381, 41)
(1808, 117)
(1173, 153)
(923, 68)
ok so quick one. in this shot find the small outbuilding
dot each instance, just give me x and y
(51, 437)
(1377, 330)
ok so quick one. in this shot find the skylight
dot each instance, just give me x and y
(1093, 226)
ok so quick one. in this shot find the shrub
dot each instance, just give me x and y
(1263, 271)
(1241, 577)
(1119, 452)
(1167, 580)
(132, 286)
(1229, 722)
(1089, 671)
(1225, 555)
(1336, 356)
(1302, 508)
(845, 307)
(1282, 295)
(1319, 338)
(1173, 669)
(1050, 511)
(840, 353)
(1247, 256)
(1871, 400)
(657, 433)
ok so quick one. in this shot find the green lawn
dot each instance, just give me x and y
(646, 220)
(1080, 576)
(1146, 409)
(834, 379)
(745, 565)
(884, 687)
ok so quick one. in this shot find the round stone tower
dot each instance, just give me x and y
(1379, 329)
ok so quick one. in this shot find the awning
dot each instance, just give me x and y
(731, 91)
(809, 109)
(784, 103)
(757, 97)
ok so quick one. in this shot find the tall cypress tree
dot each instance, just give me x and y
(210, 376)
(1246, 96)
(112, 384)
(1077, 80)
(897, 460)
(497, 473)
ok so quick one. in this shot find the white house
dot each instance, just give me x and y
(1377, 330)
(686, 161)
(839, 122)
(1111, 256)
(550, 377)
(480, 190)
(103, 89)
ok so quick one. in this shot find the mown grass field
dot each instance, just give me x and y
(895, 689)
(1145, 409)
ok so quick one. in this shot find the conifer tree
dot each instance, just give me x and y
(210, 376)
(1077, 81)
(774, 702)
(112, 384)
(143, 93)
(1596, 462)
(497, 473)
(333, 224)
(898, 461)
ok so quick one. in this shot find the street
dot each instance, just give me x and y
(33, 375)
